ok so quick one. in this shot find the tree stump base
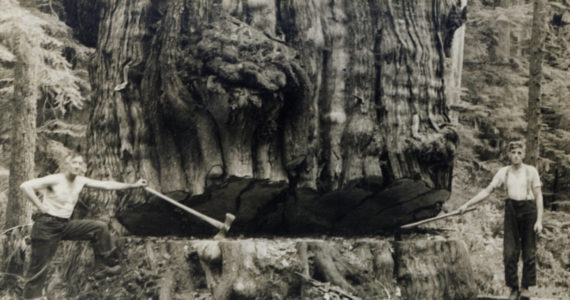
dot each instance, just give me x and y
(438, 269)
(294, 268)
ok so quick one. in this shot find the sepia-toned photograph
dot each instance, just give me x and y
(285, 149)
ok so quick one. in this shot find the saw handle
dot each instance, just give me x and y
(198, 214)
(453, 213)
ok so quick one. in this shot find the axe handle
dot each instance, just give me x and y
(198, 214)
(453, 213)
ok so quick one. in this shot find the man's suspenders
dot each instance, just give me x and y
(528, 182)
(507, 181)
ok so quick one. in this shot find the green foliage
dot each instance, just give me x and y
(62, 128)
(62, 80)
(60, 85)
(496, 95)
(494, 108)
(483, 24)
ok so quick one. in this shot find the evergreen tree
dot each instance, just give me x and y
(44, 73)
(536, 54)
(23, 137)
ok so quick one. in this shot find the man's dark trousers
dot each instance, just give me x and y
(520, 217)
(47, 232)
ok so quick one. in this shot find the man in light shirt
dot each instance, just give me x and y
(60, 193)
(523, 217)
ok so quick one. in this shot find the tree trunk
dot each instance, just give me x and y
(501, 52)
(508, 3)
(298, 117)
(276, 268)
(250, 268)
(454, 69)
(18, 211)
(536, 54)
(434, 270)
(23, 145)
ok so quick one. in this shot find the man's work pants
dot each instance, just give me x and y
(520, 217)
(47, 232)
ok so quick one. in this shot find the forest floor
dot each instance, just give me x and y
(482, 232)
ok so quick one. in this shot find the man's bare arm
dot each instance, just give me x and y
(537, 191)
(30, 187)
(478, 198)
(113, 185)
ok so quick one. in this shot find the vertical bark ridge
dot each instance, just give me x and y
(361, 161)
(113, 151)
(336, 38)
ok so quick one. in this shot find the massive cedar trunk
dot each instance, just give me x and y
(297, 116)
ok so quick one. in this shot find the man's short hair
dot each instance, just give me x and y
(518, 144)
(71, 156)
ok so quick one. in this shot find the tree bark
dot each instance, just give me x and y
(23, 145)
(276, 111)
(18, 210)
(275, 268)
(250, 269)
(501, 52)
(508, 3)
(434, 270)
(454, 69)
(536, 54)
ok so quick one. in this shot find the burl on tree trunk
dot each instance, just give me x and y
(296, 116)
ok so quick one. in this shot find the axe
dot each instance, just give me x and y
(223, 227)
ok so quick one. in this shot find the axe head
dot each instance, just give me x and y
(226, 227)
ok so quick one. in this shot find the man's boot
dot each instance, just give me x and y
(525, 294)
(104, 267)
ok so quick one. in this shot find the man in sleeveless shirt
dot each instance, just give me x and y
(60, 193)
(523, 218)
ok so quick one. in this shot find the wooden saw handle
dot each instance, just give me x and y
(453, 213)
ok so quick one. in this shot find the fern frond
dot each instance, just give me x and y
(48, 37)
(59, 127)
